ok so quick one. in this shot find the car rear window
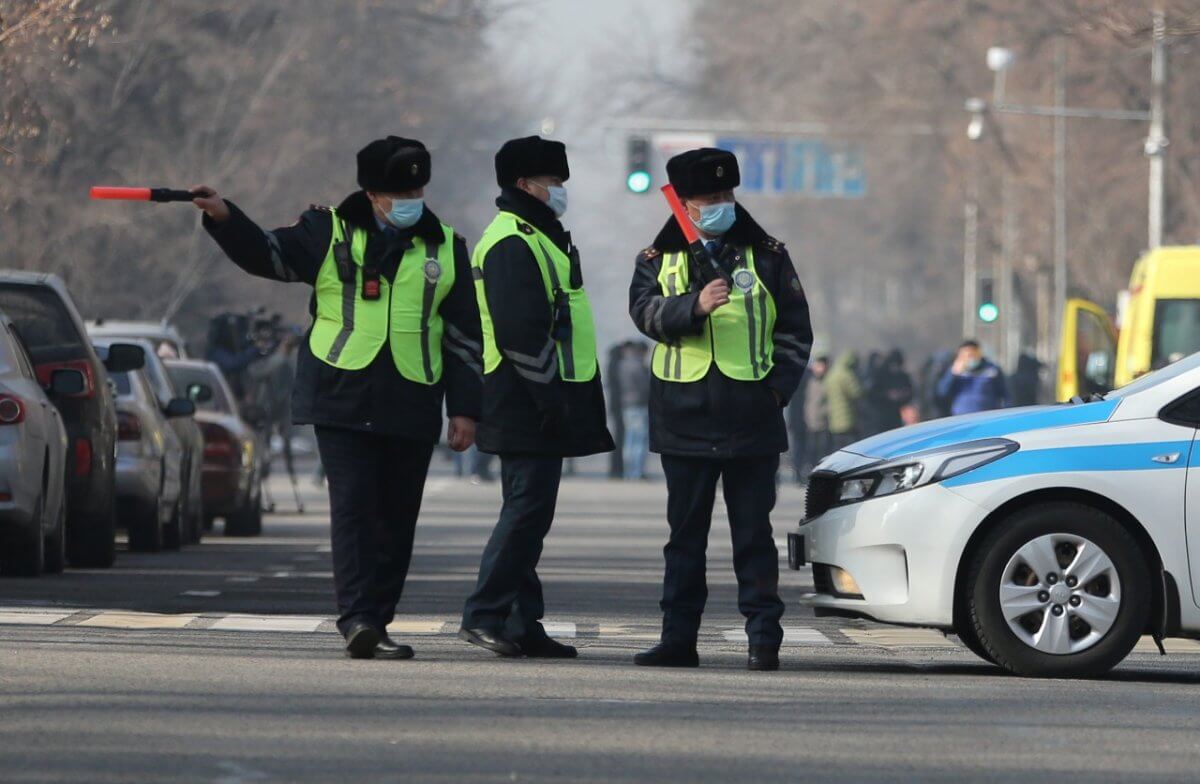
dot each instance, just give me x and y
(123, 384)
(184, 377)
(43, 321)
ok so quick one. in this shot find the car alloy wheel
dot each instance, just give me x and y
(1060, 593)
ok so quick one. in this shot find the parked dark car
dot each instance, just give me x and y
(48, 322)
(232, 460)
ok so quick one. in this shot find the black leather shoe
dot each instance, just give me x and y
(668, 655)
(546, 647)
(388, 649)
(763, 658)
(361, 641)
(493, 641)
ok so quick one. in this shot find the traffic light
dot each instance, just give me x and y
(638, 178)
(988, 310)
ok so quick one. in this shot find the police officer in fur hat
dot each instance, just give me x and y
(731, 348)
(542, 399)
(395, 332)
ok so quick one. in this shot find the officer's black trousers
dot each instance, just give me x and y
(749, 490)
(375, 488)
(508, 593)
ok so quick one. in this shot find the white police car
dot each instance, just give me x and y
(1048, 538)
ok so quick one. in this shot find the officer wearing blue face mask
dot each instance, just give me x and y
(395, 333)
(729, 355)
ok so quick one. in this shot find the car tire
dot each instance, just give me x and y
(246, 521)
(967, 635)
(1113, 591)
(24, 551)
(92, 539)
(55, 556)
(173, 533)
(145, 530)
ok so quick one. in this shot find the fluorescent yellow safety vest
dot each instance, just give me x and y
(350, 330)
(577, 349)
(738, 336)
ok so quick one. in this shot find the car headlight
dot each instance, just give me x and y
(916, 470)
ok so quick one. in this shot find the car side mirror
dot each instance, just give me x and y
(124, 357)
(199, 393)
(65, 382)
(179, 407)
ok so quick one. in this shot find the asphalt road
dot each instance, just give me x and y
(220, 664)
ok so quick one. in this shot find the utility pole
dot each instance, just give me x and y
(971, 248)
(1156, 142)
(1060, 191)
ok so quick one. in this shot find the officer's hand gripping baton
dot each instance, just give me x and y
(710, 270)
(141, 194)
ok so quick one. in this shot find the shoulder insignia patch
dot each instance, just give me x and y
(524, 227)
(650, 253)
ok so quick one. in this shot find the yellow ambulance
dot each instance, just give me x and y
(1159, 320)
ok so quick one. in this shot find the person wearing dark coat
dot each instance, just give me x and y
(543, 400)
(730, 353)
(395, 334)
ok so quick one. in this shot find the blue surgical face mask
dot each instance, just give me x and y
(405, 212)
(974, 364)
(558, 198)
(716, 218)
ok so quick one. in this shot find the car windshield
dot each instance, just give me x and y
(1151, 380)
(185, 376)
(43, 321)
(1176, 330)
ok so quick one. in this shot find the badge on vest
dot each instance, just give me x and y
(744, 280)
(433, 271)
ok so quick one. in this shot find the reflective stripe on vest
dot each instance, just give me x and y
(737, 336)
(575, 356)
(349, 331)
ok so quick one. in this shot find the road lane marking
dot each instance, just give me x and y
(1173, 645)
(792, 635)
(267, 623)
(900, 638)
(137, 620)
(415, 626)
(33, 617)
(206, 594)
(241, 580)
(559, 629)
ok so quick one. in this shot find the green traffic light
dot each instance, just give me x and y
(638, 181)
(988, 312)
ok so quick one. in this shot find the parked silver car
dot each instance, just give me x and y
(150, 463)
(165, 339)
(33, 453)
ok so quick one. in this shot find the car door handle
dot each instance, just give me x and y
(1169, 458)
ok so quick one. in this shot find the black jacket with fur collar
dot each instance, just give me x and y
(377, 398)
(719, 417)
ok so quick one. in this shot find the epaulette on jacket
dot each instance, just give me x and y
(524, 227)
(650, 253)
(320, 207)
(772, 244)
(460, 238)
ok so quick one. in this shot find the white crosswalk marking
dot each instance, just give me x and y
(792, 635)
(33, 617)
(137, 620)
(559, 629)
(268, 623)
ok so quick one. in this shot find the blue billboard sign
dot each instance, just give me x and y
(797, 166)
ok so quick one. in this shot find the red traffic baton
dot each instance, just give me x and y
(141, 194)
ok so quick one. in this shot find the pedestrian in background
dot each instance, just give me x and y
(634, 374)
(395, 334)
(1026, 380)
(891, 392)
(843, 393)
(731, 350)
(543, 399)
(816, 413)
(612, 394)
(798, 430)
(973, 383)
(933, 405)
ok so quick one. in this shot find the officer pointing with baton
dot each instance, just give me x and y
(395, 330)
(731, 324)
